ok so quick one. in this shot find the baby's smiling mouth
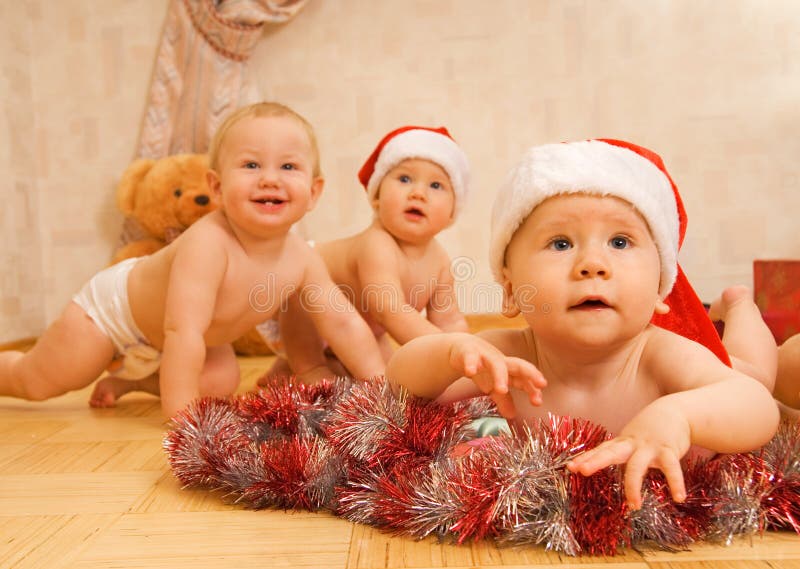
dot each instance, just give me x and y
(270, 201)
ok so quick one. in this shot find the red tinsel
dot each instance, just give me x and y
(397, 462)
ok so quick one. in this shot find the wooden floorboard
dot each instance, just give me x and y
(88, 489)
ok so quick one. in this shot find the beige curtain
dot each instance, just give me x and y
(198, 73)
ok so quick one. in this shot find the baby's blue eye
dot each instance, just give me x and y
(560, 244)
(619, 242)
(404, 178)
(287, 166)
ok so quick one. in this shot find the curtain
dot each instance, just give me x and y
(198, 73)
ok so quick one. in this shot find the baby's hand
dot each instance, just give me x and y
(656, 438)
(494, 372)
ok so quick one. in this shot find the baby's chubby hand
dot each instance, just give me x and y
(655, 438)
(494, 372)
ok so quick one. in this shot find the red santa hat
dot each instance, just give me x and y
(613, 168)
(434, 144)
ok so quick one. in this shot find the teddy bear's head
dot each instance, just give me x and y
(166, 195)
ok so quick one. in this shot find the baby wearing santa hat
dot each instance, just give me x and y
(584, 242)
(417, 181)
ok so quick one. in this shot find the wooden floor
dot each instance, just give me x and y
(84, 488)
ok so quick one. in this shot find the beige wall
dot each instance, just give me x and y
(74, 75)
(20, 252)
(713, 86)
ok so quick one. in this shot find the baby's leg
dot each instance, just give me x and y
(330, 369)
(787, 384)
(69, 355)
(747, 338)
(279, 368)
(220, 376)
(304, 348)
(385, 346)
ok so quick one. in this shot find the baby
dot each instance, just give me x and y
(417, 180)
(787, 385)
(585, 239)
(167, 320)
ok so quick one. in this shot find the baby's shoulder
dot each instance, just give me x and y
(209, 234)
(511, 341)
(374, 245)
(660, 344)
(672, 360)
(296, 245)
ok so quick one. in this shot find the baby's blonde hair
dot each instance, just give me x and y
(257, 110)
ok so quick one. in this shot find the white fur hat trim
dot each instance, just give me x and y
(429, 145)
(593, 167)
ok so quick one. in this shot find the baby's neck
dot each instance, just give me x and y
(411, 249)
(588, 368)
(257, 245)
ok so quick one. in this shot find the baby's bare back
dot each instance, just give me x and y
(252, 287)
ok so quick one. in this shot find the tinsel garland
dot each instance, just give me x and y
(407, 465)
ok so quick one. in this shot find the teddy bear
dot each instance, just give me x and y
(162, 197)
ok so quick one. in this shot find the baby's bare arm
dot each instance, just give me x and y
(443, 310)
(423, 365)
(707, 404)
(383, 297)
(338, 322)
(428, 365)
(195, 276)
(304, 348)
(727, 410)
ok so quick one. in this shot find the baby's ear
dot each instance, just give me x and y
(661, 307)
(213, 182)
(510, 308)
(316, 191)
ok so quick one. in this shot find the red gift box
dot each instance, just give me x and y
(776, 286)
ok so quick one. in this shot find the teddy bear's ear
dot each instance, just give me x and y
(126, 190)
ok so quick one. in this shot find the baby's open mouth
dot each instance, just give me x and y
(272, 201)
(415, 211)
(591, 303)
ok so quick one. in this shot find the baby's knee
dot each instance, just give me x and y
(28, 381)
(220, 384)
(764, 373)
(39, 388)
(220, 376)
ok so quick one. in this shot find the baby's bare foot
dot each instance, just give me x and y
(730, 297)
(107, 391)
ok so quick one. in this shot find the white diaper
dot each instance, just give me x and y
(105, 300)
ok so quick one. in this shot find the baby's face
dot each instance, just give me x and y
(415, 200)
(583, 268)
(265, 176)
